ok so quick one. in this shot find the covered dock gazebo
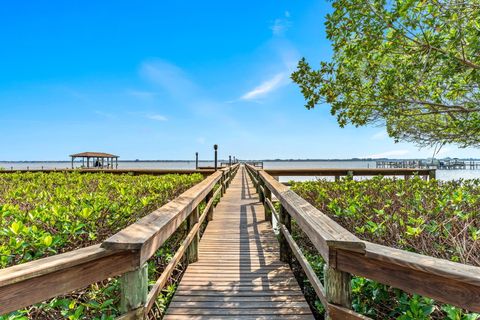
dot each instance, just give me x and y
(100, 160)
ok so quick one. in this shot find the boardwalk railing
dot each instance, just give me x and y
(345, 254)
(124, 253)
(361, 172)
(133, 171)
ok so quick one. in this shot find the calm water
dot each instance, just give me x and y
(441, 174)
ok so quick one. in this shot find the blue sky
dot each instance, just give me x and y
(158, 80)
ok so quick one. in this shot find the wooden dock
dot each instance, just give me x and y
(238, 273)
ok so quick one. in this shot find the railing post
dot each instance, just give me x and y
(210, 211)
(285, 219)
(261, 196)
(350, 175)
(134, 291)
(222, 185)
(268, 212)
(337, 287)
(192, 250)
(431, 174)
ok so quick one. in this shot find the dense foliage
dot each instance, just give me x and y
(409, 64)
(45, 214)
(437, 218)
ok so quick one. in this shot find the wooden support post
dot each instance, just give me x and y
(261, 196)
(192, 250)
(257, 187)
(337, 178)
(268, 212)
(134, 290)
(210, 211)
(431, 174)
(196, 160)
(285, 219)
(350, 174)
(222, 180)
(338, 288)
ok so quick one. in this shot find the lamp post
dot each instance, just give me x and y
(215, 147)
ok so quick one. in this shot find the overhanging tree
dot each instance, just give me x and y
(413, 66)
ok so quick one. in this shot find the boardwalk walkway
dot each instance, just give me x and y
(239, 274)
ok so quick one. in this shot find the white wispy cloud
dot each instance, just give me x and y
(266, 87)
(157, 117)
(389, 154)
(168, 77)
(281, 25)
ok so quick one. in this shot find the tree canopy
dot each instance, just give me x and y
(413, 66)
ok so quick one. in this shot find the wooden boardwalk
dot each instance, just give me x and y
(239, 274)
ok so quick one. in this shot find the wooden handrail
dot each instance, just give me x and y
(325, 234)
(327, 172)
(42, 279)
(443, 280)
(133, 171)
(150, 232)
(449, 282)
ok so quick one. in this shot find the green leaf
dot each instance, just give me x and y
(16, 227)
(47, 240)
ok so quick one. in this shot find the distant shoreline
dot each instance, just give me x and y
(225, 160)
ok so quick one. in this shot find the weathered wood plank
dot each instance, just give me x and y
(337, 312)
(240, 317)
(439, 279)
(39, 280)
(238, 304)
(297, 298)
(235, 311)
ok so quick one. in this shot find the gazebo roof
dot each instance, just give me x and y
(94, 154)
